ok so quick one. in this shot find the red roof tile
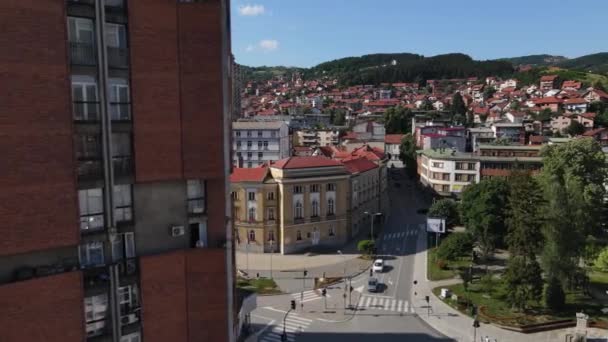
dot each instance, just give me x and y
(393, 138)
(358, 165)
(305, 162)
(257, 174)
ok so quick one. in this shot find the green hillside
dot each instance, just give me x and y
(597, 63)
(538, 60)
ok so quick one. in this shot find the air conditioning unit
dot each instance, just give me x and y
(128, 319)
(177, 231)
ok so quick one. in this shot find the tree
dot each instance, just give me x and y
(575, 128)
(523, 281)
(601, 263)
(455, 245)
(458, 106)
(524, 216)
(572, 178)
(366, 246)
(488, 92)
(445, 208)
(397, 120)
(555, 298)
(407, 154)
(483, 210)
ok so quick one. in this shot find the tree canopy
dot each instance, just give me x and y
(397, 120)
(407, 154)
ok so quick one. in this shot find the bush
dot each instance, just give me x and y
(455, 245)
(366, 246)
(441, 264)
(601, 263)
(555, 298)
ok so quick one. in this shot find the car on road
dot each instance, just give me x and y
(372, 285)
(378, 266)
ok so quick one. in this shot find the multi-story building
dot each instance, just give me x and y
(364, 193)
(392, 146)
(114, 180)
(316, 137)
(255, 143)
(299, 202)
(447, 172)
(549, 82)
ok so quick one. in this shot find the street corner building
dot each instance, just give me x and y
(115, 157)
(291, 205)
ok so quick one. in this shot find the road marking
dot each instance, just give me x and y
(273, 309)
(390, 282)
(399, 306)
(262, 317)
(393, 305)
(367, 302)
(374, 301)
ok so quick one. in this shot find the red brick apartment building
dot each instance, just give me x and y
(113, 176)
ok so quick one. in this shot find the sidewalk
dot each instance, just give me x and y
(453, 324)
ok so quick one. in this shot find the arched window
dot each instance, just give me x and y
(298, 210)
(330, 206)
(251, 214)
(252, 235)
(298, 235)
(315, 208)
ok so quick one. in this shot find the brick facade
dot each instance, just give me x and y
(37, 171)
(53, 311)
(184, 296)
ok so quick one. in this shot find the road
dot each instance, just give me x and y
(387, 315)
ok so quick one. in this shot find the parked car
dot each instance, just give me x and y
(378, 265)
(372, 285)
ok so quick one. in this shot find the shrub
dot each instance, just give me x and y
(555, 298)
(442, 264)
(365, 246)
(601, 263)
(455, 245)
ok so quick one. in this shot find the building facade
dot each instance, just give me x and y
(255, 143)
(447, 172)
(115, 203)
(392, 148)
(365, 195)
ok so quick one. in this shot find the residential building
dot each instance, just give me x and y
(576, 105)
(600, 135)
(501, 161)
(364, 194)
(308, 206)
(549, 82)
(562, 122)
(513, 132)
(595, 95)
(316, 137)
(479, 135)
(257, 142)
(447, 172)
(113, 196)
(392, 146)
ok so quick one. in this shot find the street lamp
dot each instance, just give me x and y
(372, 223)
(271, 252)
(344, 277)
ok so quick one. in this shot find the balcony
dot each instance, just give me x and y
(86, 111)
(196, 206)
(122, 166)
(98, 329)
(89, 170)
(91, 223)
(96, 280)
(120, 111)
(118, 57)
(315, 218)
(83, 54)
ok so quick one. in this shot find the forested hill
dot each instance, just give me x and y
(597, 62)
(405, 67)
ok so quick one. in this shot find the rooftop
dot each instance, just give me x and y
(257, 174)
(258, 125)
(305, 162)
(447, 154)
(359, 165)
(510, 147)
(393, 138)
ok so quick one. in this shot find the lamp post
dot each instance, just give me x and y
(372, 215)
(271, 252)
(344, 277)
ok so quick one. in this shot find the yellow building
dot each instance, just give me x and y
(292, 205)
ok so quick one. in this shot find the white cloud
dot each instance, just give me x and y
(249, 48)
(268, 45)
(251, 10)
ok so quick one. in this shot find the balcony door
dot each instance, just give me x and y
(84, 98)
(81, 30)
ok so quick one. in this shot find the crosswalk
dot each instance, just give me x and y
(385, 304)
(294, 325)
(308, 296)
(400, 235)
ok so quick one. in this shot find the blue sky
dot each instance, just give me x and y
(307, 32)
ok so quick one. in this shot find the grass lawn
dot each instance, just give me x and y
(451, 271)
(258, 285)
(490, 297)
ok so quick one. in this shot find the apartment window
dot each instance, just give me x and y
(88, 146)
(123, 210)
(270, 213)
(260, 134)
(314, 188)
(251, 235)
(249, 156)
(119, 100)
(270, 196)
(121, 154)
(134, 337)
(298, 236)
(234, 195)
(330, 206)
(249, 144)
(315, 208)
(123, 246)
(251, 215)
(248, 133)
(331, 231)
(260, 155)
(85, 103)
(259, 145)
(265, 145)
(90, 202)
(128, 299)
(445, 188)
(249, 164)
(91, 254)
(331, 187)
(95, 312)
(437, 165)
(237, 133)
(297, 189)
(271, 235)
(196, 196)
(251, 195)
(273, 134)
(298, 210)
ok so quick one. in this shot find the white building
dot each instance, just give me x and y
(255, 143)
(447, 172)
(392, 146)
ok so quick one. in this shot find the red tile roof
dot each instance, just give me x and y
(547, 100)
(305, 162)
(593, 132)
(393, 138)
(577, 100)
(358, 165)
(548, 78)
(257, 174)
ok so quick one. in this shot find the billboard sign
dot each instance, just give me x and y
(435, 225)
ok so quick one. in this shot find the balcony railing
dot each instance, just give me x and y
(118, 57)
(128, 267)
(86, 110)
(91, 223)
(90, 170)
(196, 206)
(120, 111)
(83, 53)
(123, 166)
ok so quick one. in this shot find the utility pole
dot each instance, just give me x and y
(271, 252)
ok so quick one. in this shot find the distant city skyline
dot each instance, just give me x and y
(305, 33)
